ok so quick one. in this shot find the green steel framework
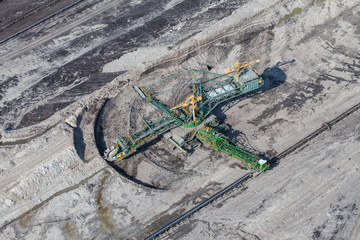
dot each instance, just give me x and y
(202, 83)
(202, 86)
(218, 141)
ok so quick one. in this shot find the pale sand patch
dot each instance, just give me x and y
(132, 59)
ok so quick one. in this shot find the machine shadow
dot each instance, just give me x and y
(273, 77)
(101, 146)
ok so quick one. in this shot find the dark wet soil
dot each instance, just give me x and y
(16, 15)
(335, 225)
(89, 66)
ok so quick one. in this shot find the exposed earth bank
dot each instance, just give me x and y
(65, 80)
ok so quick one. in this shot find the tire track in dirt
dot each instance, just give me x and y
(29, 13)
(42, 155)
(302, 204)
(37, 206)
(356, 232)
(39, 42)
(101, 146)
(135, 108)
(249, 27)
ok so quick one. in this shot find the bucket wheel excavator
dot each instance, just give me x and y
(190, 118)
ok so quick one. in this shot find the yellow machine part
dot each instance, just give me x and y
(239, 68)
(191, 103)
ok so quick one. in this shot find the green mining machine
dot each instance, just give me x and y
(204, 91)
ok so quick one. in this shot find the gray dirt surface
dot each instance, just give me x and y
(15, 17)
(66, 93)
(311, 194)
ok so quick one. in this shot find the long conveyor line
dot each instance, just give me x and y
(218, 141)
(231, 186)
(317, 132)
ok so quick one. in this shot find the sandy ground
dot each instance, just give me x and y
(55, 184)
(311, 194)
